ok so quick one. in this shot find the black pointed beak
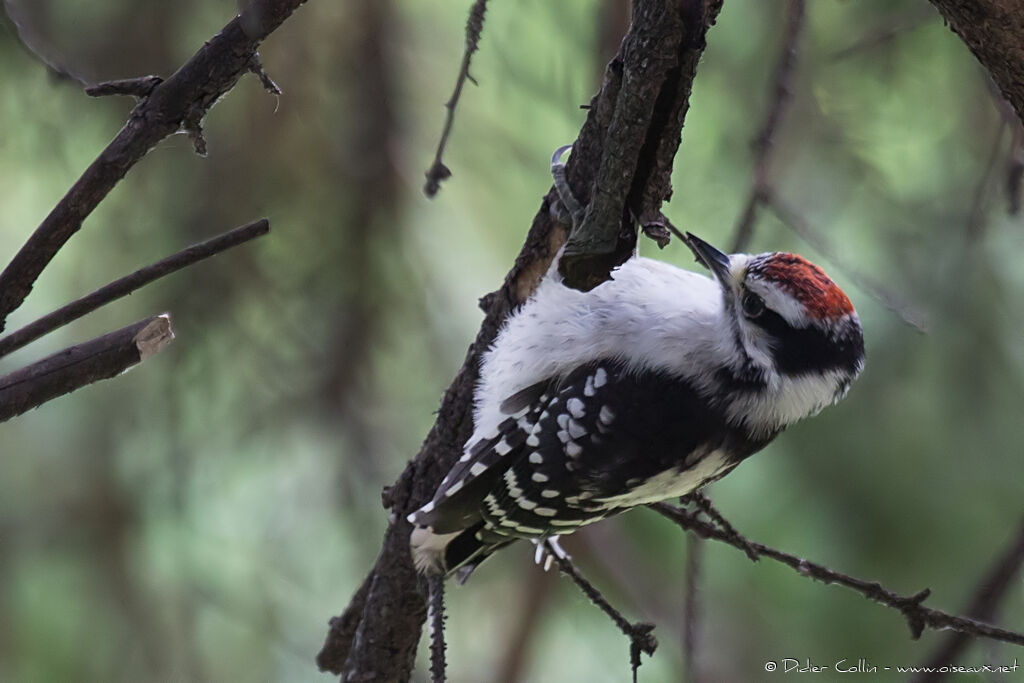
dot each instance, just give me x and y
(715, 261)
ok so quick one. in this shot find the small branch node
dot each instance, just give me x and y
(193, 127)
(436, 174)
(256, 67)
(140, 87)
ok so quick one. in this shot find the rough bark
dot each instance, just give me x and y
(994, 32)
(376, 638)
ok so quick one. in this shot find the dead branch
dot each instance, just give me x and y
(128, 284)
(77, 366)
(438, 172)
(389, 609)
(136, 87)
(185, 96)
(917, 615)
(640, 635)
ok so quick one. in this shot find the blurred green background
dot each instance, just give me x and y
(201, 517)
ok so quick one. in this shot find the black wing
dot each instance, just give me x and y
(572, 445)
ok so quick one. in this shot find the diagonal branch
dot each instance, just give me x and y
(183, 98)
(917, 615)
(389, 610)
(640, 634)
(474, 27)
(128, 284)
(77, 366)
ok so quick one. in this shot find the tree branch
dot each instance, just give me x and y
(391, 615)
(182, 99)
(917, 615)
(128, 284)
(77, 366)
(640, 635)
(474, 27)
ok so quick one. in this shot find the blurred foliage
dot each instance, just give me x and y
(203, 516)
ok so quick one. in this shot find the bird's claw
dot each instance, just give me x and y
(548, 549)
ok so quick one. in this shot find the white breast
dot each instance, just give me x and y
(651, 316)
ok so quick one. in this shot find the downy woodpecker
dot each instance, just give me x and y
(647, 387)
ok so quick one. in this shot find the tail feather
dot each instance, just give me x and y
(460, 551)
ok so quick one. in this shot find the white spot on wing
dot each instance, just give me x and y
(477, 468)
(536, 458)
(453, 489)
(545, 512)
(539, 477)
(606, 415)
(575, 407)
(573, 449)
(600, 378)
(549, 493)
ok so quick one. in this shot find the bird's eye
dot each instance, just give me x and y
(753, 305)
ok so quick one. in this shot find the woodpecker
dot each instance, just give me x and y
(647, 387)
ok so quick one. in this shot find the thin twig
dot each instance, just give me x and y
(917, 615)
(128, 284)
(77, 366)
(474, 27)
(640, 637)
(764, 142)
(704, 504)
(988, 595)
(193, 89)
(436, 619)
(891, 301)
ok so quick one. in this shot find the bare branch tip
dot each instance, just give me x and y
(437, 173)
(140, 87)
(256, 67)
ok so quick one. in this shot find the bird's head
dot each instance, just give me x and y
(789, 320)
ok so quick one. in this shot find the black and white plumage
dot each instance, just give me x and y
(644, 388)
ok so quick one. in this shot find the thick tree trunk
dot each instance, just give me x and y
(649, 82)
